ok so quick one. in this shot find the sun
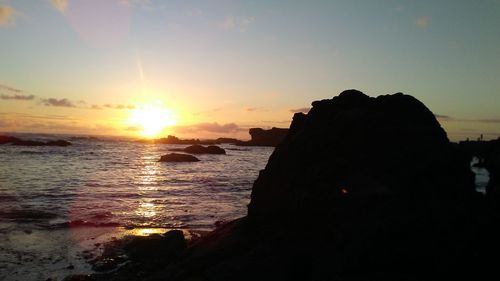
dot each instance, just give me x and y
(151, 119)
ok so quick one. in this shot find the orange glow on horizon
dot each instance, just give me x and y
(151, 119)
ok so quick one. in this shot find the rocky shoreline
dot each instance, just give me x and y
(361, 188)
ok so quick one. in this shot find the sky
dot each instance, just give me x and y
(216, 68)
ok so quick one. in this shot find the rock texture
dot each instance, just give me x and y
(358, 147)
(178, 157)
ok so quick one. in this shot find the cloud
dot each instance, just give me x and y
(443, 117)
(17, 97)
(481, 120)
(15, 94)
(492, 120)
(210, 127)
(241, 24)
(423, 22)
(254, 109)
(302, 109)
(57, 102)
(119, 106)
(10, 89)
(6, 15)
(60, 5)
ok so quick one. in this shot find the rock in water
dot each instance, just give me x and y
(199, 149)
(178, 157)
(261, 137)
(158, 246)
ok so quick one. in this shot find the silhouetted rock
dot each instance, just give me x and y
(360, 189)
(376, 179)
(176, 140)
(261, 137)
(226, 140)
(158, 246)
(177, 157)
(8, 139)
(199, 149)
(58, 143)
(21, 142)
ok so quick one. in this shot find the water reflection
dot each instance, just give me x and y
(146, 209)
(147, 182)
(482, 175)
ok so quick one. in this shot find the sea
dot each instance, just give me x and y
(60, 205)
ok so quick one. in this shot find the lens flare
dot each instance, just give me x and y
(151, 119)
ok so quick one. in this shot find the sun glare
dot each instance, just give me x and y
(151, 119)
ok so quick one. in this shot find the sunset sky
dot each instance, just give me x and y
(217, 68)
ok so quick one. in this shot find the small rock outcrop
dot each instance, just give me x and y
(21, 142)
(178, 157)
(261, 137)
(199, 149)
(8, 139)
(158, 246)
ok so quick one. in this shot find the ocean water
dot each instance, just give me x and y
(56, 202)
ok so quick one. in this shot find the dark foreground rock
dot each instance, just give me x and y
(20, 142)
(360, 189)
(488, 153)
(178, 157)
(199, 149)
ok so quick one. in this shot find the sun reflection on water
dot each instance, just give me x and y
(147, 210)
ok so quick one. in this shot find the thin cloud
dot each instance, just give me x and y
(57, 102)
(60, 5)
(493, 120)
(443, 117)
(423, 22)
(209, 127)
(302, 109)
(10, 89)
(14, 94)
(119, 106)
(480, 120)
(6, 15)
(241, 24)
(255, 109)
(17, 97)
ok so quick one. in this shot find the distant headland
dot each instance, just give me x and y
(259, 137)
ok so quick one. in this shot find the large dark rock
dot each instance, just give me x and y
(359, 185)
(356, 147)
(178, 157)
(361, 188)
(199, 149)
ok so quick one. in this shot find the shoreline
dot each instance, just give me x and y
(55, 254)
